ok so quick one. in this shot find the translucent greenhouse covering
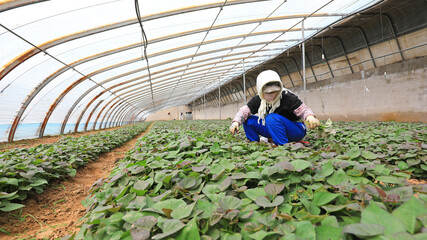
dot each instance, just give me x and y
(79, 65)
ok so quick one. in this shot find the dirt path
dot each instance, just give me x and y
(57, 211)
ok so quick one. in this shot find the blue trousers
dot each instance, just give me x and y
(277, 127)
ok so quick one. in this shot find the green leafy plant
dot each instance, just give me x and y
(192, 178)
(28, 171)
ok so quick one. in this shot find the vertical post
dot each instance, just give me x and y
(303, 63)
(219, 99)
(204, 104)
(244, 82)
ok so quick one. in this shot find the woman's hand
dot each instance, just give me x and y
(312, 122)
(234, 128)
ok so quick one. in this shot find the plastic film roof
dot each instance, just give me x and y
(80, 65)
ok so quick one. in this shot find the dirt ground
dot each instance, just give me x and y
(57, 211)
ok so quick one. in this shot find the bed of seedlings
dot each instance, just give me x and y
(193, 180)
(25, 171)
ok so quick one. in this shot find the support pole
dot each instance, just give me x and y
(219, 99)
(204, 103)
(244, 82)
(303, 63)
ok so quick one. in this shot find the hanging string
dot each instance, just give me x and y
(323, 55)
(144, 44)
(382, 36)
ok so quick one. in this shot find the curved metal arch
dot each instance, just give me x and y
(43, 47)
(326, 58)
(363, 33)
(228, 94)
(11, 4)
(96, 97)
(90, 116)
(135, 93)
(117, 85)
(116, 117)
(127, 119)
(344, 51)
(393, 31)
(99, 114)
(89, 75)
(296, 64)
(126, 116)
(44, 83)
(311, 67)
(18, 60)
(109, 114)
(287, 71)
(236, 85)
(75, 84)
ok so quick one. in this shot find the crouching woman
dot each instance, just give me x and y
(280, 113)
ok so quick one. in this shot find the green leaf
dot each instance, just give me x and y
(188, 182)
(274, 188)
(305, 230)
(408, 213)
(330, 221)
(333, 208)
(311, 208)
(364, 229)
(170, 226)
(259, 235)
(10, 181)
(420, 236)
(322, 198)
(190, 231)
(27, 175)
(255, 193)
(423, 219)
(227, 164)
(327, 169)
(284, 229)
(300, 165)
(264, 202)
(141, 228)
(369, 155)
(376, 215)
(7, 195)
(328, 233)
(353, 153)
(11, 206)
(217, 169)
(339, 177)
(132, 216)
(229, 202)
(207, 207)
(39, 182)
(116, 217)
(389, 179)
(215, 148)
(169, 204)
(183, 211)
(230, 236)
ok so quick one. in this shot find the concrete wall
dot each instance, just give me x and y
(400, 94)
(169, 114)
(366, 95)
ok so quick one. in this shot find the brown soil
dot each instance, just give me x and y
(57, 212)
(417, 181)
(26, 143)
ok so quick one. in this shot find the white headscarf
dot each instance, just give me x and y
(263, 78)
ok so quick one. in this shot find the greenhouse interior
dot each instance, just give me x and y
(200, 119)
